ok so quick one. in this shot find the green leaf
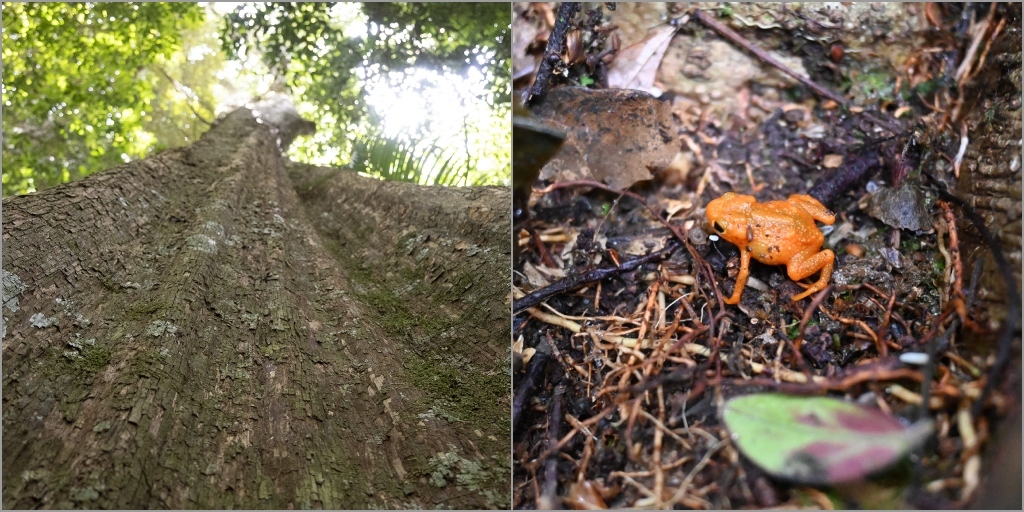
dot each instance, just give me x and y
(817, 440)
(62, 119)
(422, 162)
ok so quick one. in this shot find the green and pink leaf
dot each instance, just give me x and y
(817, 440)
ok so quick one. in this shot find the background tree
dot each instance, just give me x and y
(124, 80)
(77, 85)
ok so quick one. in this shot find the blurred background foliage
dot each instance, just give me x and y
(410, 91)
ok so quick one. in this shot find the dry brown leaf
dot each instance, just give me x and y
(674, 206)
(540, 276)
(832, 161)
(528, 24)
(636, 66)
(585, 495)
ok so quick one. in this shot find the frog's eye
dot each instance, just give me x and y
(718, 227)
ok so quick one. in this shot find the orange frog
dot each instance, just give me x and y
(776, 233)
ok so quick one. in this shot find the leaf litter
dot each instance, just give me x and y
(636, 369)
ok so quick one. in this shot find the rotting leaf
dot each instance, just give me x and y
(615, 136)
(817, 440)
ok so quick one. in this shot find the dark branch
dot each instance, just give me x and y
(553, 52)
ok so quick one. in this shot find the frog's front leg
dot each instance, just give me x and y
(741, 278)
(804, 265)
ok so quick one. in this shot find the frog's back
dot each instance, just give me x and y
(782, 230)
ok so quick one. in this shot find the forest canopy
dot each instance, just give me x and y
(411, 91)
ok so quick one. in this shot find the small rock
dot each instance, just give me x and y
(794, 116)
(904, 207)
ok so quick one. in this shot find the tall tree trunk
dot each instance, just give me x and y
(215, 327)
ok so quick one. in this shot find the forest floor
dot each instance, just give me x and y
(626, 367)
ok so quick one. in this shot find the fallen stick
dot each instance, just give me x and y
(575, 281)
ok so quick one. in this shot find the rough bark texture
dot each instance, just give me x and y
(188, 331)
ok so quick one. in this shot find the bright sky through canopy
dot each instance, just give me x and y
(411, 104)
(419, 81)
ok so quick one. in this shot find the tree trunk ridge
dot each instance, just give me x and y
(187, 331)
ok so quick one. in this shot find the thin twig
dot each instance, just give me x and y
(659, 475)
(591, 421)
(538, 363)
(177, 87)
(684, 486)
(545, 256)
(820, 90)
(549, 500)
(979, 34)
(815, 302)
(729, 34)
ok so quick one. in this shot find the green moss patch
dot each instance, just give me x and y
(458, 393)
(72, 371)
(146, 307)
(398, 319)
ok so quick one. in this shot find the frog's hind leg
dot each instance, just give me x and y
(801, 269)
(811, 205)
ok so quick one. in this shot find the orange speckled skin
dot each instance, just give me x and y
(776, 233)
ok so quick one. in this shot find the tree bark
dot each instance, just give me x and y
(216, 327)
